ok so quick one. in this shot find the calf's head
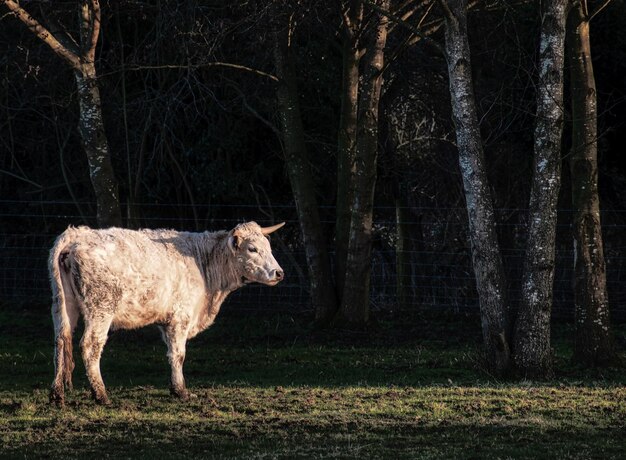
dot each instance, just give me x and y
(253, 255)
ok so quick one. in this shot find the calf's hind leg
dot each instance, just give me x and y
(92, 343)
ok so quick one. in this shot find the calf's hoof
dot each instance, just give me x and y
(101, 398)
(103, 401)
(57, 398)
(182, 394)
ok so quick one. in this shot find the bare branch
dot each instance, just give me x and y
(95, 30)
(413, 39)
(447, 11)
(346, 20)
(61, 34)
(598, 9)
(352, 17)
(429, 29)
(404, 24)
(85, 29)
(403, 5)
(25, 179)
(254, 112)
(207, 64)
(405, 16)
(425, 15)
(44, 34)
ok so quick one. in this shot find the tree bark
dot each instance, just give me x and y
(354, 311)
(91, 128)
(403, 248)
(592, 345)
(91, 124)
(322, 292)
(346, 142)
(533, 356)
(486, 256)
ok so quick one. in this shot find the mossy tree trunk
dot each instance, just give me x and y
(486, 256)
(91, 128)
(533, 357)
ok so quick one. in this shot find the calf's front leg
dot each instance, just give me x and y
(176, 339)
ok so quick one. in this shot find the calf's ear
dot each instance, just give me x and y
(234, 240)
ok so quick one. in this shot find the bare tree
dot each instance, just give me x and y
(81, 57)
(300, 176)
(486, 256)
(532, 329)
(354, 310)
(593, 345)
(346, 142)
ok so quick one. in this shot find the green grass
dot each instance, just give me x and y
(269, 388)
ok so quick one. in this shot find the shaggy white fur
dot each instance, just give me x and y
(124, 279)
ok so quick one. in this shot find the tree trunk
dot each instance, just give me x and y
(532, 332)
(322, 291)
(403, 248)
(91, 126)
(346, 143)
(593, 345)
(94, 141)
(486, 257)
(354, 311)
(90, 123)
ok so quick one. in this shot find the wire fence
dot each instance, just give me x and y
(431, 271)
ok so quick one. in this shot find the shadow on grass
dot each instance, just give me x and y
(279, 349)
(284, 435)
(269, 387)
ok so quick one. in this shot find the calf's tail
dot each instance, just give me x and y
(62, 307)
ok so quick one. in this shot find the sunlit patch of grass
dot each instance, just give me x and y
(435, 421)
(280, 391)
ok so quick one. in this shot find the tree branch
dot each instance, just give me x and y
(59, 32)
(412, 39)
(254, 112)
(207, 64)
(404, 24)
(95, 30)
(85, 29)
(42, 33)
(25, 179)
(346, 20)
(598, 9)
(447, 11)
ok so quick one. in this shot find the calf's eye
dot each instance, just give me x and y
(252, 249)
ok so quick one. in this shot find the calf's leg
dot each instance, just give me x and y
(57, 392)
(175, 338)
(92, 343)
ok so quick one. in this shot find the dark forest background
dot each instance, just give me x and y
(183, 130)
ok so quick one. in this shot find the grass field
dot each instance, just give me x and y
(269, 388)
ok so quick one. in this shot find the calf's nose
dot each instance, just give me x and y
(279, 274)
